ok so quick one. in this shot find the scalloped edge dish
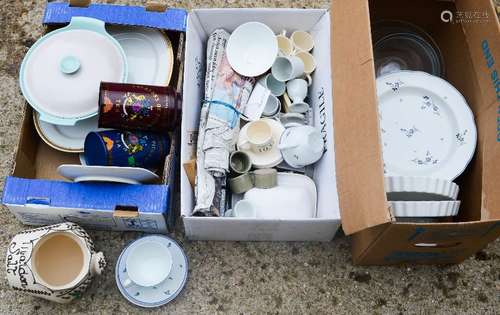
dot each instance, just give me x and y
(414, 188)
(424, 208)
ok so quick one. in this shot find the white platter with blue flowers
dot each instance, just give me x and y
(427, 128)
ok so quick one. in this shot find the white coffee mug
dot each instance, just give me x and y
(286, 68)
(297, 91)
(301, 146)
(308, 60)
(285, 45)
(302, 41)
(148, 264)
(244, 209)
(272, 108)
(276, 87)
(259, 137)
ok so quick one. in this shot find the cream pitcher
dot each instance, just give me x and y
(55, 262)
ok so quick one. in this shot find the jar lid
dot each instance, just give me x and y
(61, 73)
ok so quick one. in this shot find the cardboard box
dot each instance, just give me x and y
(471, 48)
(201, 23)
(36, 194)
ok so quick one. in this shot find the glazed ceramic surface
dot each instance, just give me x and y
(22, 272)
(149, 54)
(65, 138)
(294, 197)
(126, 148)
(139, 107)
(252, 49)
(301, 146)
(165, 291)
(410, 188)
(61, 73)
(267, 159)
(416, 209)
(427, 128)
(116, 174)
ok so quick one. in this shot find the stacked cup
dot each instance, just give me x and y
(293, 67)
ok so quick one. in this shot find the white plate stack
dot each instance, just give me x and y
(428, 138)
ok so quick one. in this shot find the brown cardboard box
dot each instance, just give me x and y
(37, 162)
(471, 49)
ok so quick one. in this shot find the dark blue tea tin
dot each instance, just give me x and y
(126, 148)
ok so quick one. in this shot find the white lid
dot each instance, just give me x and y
(61, 73)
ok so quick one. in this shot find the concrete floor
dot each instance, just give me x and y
(234, 277)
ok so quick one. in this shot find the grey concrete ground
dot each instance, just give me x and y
(244, 278)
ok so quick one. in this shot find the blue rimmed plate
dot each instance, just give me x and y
(162, 293)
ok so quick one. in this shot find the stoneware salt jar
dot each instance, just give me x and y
(55, 262)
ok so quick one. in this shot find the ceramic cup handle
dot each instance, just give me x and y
(245, 144)
(127, 282)
(98, 263)
(308, 78)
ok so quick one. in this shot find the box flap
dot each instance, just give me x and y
(99, 196)
(359, 162)
(482, 31)
(172, 19)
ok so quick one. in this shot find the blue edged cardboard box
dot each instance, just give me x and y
(37, 195)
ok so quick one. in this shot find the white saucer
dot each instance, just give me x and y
(116, 174)
(427, 128)
(65, 138)
(270, 158)
(424, 208)
(407, 188)
(164, 292)
(292, 119)
(149, 52)
(252, 49)
(294, 197)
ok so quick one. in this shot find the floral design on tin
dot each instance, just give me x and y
(461, 137)
(429, 159)
(410, 131)
(428, 103)
(395, 85)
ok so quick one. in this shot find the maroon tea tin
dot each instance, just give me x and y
(139, 107)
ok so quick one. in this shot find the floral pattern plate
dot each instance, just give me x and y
(427, 128)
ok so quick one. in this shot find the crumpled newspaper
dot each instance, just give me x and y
(226, 94)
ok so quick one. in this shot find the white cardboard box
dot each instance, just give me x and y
(201, 23)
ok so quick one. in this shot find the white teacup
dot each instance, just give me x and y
(285, 44)
(308, 60)
(292, 120)
(276, 87)
(259, 137)
(286, 68)
(148, 264)
(272, 108)
(297, 91)
(302, 41)
(244, 209)
(301, 146)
